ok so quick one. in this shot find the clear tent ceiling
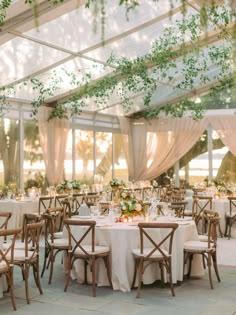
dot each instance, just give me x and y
(65, 41)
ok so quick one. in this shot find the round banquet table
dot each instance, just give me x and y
(18, 209)
(121, 239)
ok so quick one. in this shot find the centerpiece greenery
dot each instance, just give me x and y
(67, 185)
(116, 182)
(130, 206)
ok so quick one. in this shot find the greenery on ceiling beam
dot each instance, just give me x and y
(172, 61)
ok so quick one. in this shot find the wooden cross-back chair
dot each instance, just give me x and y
(91, 199)
(159, 251)
(27, 219)
(88, 253)
(7, 259)
(45, 202)
(59, 200)
(179, 208)
(230, 216)
(4, 220)
(206, 249)
(200, 203)
(29, 256)
(54, 240)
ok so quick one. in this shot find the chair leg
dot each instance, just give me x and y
(51, 260)
(140, 276)
(170, 278)
(68, 269)
(37, 277)
(26, 273)
(93, 262)
(209, 270)
(45, 261)
(214, 258)
(11, 288)
(190, 265)
(226, 226)
(229, 235)
(135, 272)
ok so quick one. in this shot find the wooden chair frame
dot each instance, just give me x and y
(231, 218)
(163, 259)
(30, 256)
(6, 216)
(79, 251)
(45, 202)
(209, 253)
(197, 208)
(7, 259)
(54, 222)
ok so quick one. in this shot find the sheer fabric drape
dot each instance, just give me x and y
(225, 126)
(151, 147)
(53, 137)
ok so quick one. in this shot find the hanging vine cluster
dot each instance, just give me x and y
(176, 59)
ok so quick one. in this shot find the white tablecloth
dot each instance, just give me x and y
(121, 239)
(18, 208)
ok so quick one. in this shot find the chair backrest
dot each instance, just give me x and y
(89, 233)
(4, 218)
(67, 208)
(178, 207)
(59, 200)
(232, 204)
(157, 245)
(45, 202)
(206, 215)
(200, 203)
(29, 218)
(7, 255)
(213, 222)
(54, 221)
(91, 200)
(33, 232)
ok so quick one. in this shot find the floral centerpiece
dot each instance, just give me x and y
(67, 185)
(116, 183)
(130, 206)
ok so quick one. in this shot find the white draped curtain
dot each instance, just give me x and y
(225, 126)
(152, 147)
(53, 138)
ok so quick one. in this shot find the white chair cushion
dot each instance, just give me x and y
(19, 255)
(59, 242)
(147, 250)
(230, 215)
(196, 245)
(18, 245)
(203, 238)
(58, 235)
(97, 250)
(3, 266)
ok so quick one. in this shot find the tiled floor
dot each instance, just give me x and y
(193, 296)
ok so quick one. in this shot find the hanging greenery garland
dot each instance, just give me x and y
(142, 75)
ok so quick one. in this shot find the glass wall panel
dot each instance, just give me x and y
(68, 163)
(120, 166)
(84, 165)
(33, 164)
(9, 153)
(104, 155)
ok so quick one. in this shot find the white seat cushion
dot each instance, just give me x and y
(230, 215)
(18, 245)
(19, 255)
(59, 242)
(58, 235)
(97, 250)
(147, 250)
(196, 245)
(203, 238)
(3, 266)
